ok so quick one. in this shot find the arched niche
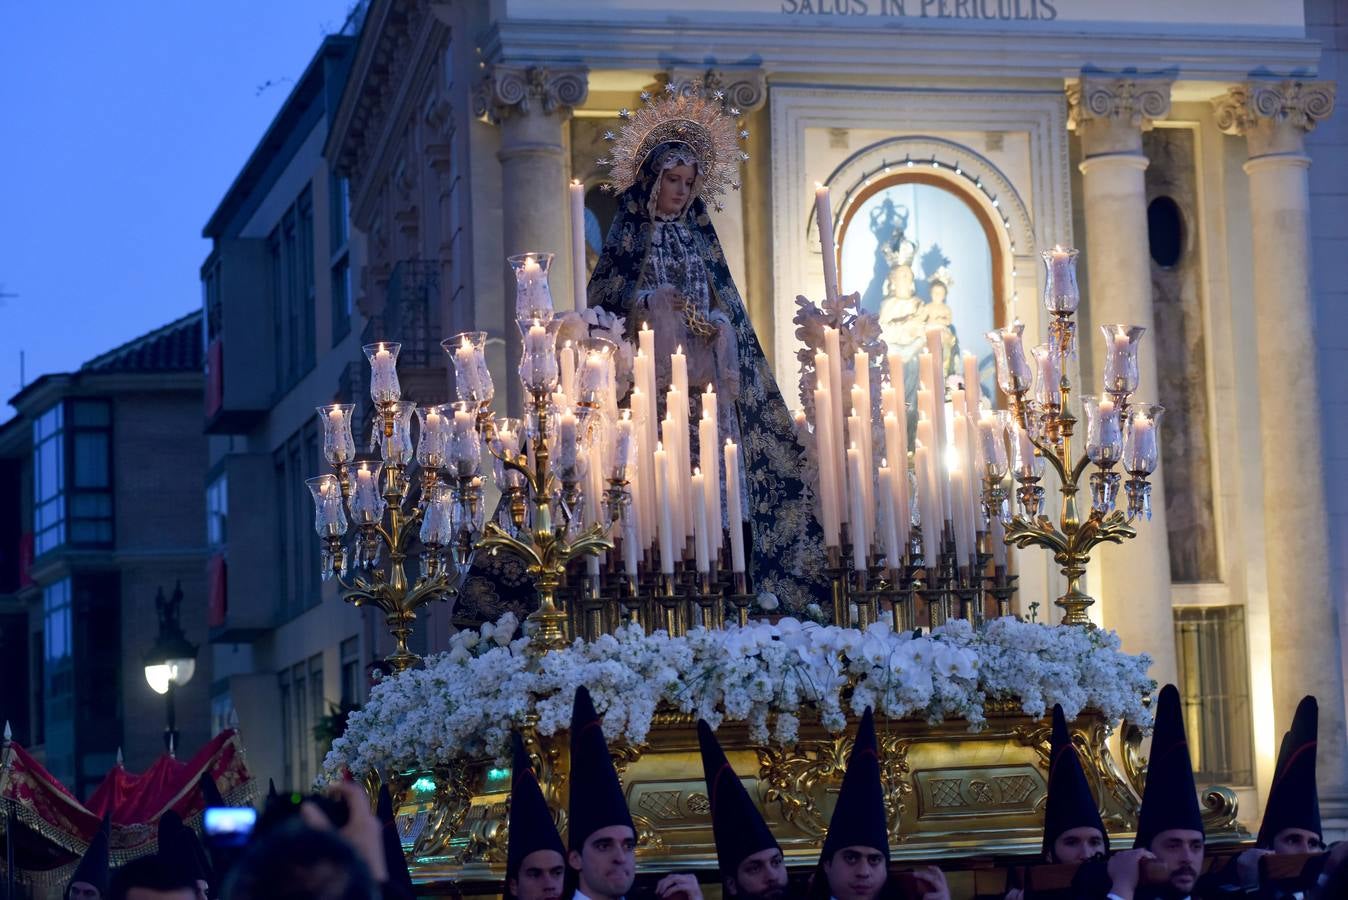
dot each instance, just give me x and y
(930, 205)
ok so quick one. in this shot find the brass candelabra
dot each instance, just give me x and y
(1121, 432)
(546, 547)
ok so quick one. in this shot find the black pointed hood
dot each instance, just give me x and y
(1070, 803)
(210, 794)
(180, 850)
(736, 823)
(1170, 799)
(399, 878)
(597, 799)
(1293, 800)
(93, 866)
(531, 824)
(859, 818)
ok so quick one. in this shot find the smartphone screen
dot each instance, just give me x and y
(229, 826)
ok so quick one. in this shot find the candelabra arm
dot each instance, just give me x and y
(495, 538)
(1050, 453)
(1080, 468)
(534, 479)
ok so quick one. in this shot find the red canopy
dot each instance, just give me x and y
(136, 802)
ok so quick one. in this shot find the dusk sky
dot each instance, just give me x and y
(121, 127)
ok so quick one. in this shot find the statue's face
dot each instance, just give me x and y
(903, 281)
(938, 292)
(676, 186)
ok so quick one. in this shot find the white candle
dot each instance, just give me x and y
(732, 502)
(642, 480)
(710, 463)
(1142, 457)
(837, 397)
(567, 450)
(889, 533)
(577, 191)
(669, 440)
(828, 486)
(860, 539)
(824, 215)
(568, 372)
(646, 341)
(898, 472)
(384, 376)
(678, 367)
(701, 555)
(861, 410)
(1110, 430)
(630, 543)
(662, 481)
(593, 374)
(931, 529)
(997, 538)
(973, 392)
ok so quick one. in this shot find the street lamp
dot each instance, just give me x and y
(172, 660)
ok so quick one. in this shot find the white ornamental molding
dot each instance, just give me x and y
(1132, 100)
(1298, 105)
(508, 90)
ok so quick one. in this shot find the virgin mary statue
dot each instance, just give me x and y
(662, 265)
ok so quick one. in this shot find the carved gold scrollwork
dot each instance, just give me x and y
(453, 797)
(797, 779)
(1220, 809)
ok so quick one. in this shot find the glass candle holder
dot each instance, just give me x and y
(396, 447)
(506, 440)
(435, 522)
(465, 443)
(329, 517)
(1026, 464)
(1048, 369)
(1141, 443)
(1014, 375)
(1061, 294)
(533, 299)
(1121, 370)
(383, 357)
(1104, 430)
(472, 378)
(538, 365)
(433, 440)
(992, 435)
(339, 446)
(367, 500)
(624, 448)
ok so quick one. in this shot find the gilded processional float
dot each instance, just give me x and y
(692, 549)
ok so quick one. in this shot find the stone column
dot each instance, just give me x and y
(1273, 117)
(1109, 114)
(531, 105)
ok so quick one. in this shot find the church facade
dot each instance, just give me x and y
(1190, 150)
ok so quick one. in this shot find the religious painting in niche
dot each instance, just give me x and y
(920, 256)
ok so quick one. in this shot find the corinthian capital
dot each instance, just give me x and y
(743, 89)
(508, 90)
(1133, 101)
(1274, 116)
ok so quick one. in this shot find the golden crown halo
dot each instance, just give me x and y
(688, 115)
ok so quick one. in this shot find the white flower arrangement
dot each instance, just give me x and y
(464, 703)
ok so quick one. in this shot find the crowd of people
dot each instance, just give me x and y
(334, 847)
